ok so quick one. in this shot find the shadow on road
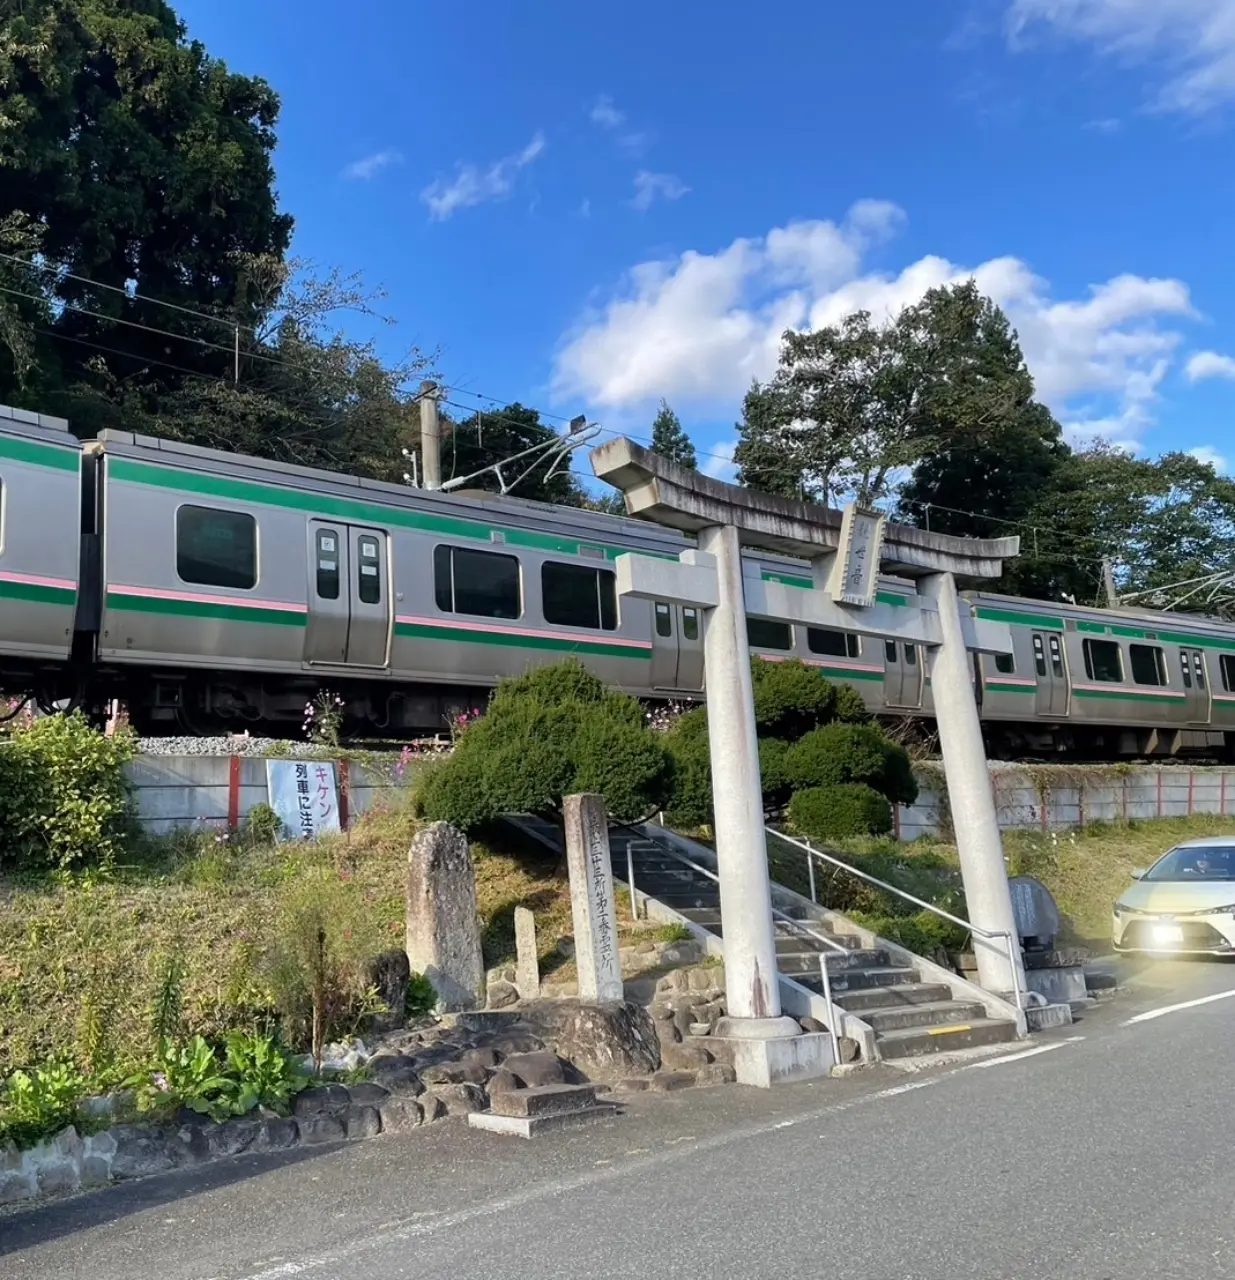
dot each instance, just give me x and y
(52, 1219)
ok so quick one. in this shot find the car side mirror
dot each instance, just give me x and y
(1140, 873)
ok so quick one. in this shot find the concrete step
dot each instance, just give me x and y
(684, 899)
(919, 1042)
(938, 1013)
(850, 981)
(892, 997)
(804, 961)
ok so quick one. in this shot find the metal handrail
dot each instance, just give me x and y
(989, 934)
(776, 915)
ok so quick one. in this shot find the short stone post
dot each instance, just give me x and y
(527, 961)
(443, 928)
(591, 898)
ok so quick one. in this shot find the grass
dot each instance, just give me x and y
(82, 957)
(1085, 870)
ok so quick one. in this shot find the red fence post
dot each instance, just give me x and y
(345, 785)
(1222, 795)
(1191, 784)
(233, 794)
(1159, 793)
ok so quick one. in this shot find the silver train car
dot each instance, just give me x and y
(213, 591)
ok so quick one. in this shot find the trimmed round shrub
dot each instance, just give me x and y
(774, 771)
(899, 784)
(923, 933)
(849, 707)
(838, 812)
(628, 764)
(836, 753)
(690, 801)
(790, 698)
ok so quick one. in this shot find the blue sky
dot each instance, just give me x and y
(587, 208)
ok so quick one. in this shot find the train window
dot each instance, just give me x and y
(835, 644)
(327, 564)
(1039, 656)
(369, 587)
(576, 595)
(762, 633)
(1103, 661)
(690, 624)
(1005, 664)
(1148, 664)
(1226, 663)
(216, 548)
(664, 620)
(481, 583)
(889, 652)
(911, 655)
(1198, 665)
(1056, 656)
(1183, 667)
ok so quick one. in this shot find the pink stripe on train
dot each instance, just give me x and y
(602, 637)
(243, 602)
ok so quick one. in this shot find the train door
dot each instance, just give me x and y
(1051, 673)
(902, 675)
(664, 646)
(1196, 685)
(690, 648)
(349, 596)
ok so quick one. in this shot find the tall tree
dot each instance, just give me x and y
(670, 440)
(146, 165)
(489, 437)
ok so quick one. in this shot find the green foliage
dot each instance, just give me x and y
(673, 933)
(262, 826)
(325, 935)
(490, 436)
(849, 707)
(670, 440)
(839, 811)
(923, 933)
(843, 753)
(39, 1103)
(264, 1074)
(687, 742)
(421, 997)
(64, 797)
(552, 732)
(790, 698)
(774, 773)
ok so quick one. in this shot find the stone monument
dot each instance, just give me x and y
(527, 961)
(443, 928)
(591, 898)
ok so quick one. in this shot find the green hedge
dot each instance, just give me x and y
(841, 811)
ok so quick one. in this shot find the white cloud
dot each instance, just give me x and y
(650, 187)
(473, 185)
(696, 329)
(718, 461)
(370, 166)
(605, 114)
(1194, 38)
(1207, 453)
(1209, 364)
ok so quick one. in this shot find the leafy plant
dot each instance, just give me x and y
(264, 1075)
(323, 719)
(64, 796)
(263, 826)
(421, 996)
(833, 813)
(673, 933)
(39, 1103)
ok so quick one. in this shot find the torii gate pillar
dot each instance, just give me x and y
(726, 518)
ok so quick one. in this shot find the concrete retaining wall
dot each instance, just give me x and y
(1062, 797)
(220, 791)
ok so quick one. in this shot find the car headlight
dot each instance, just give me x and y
(1218, 911)
(1121, 909)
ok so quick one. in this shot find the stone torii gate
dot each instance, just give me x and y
(846, 552)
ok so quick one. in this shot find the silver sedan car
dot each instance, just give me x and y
(1184, 904)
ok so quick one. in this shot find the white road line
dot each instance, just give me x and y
(1016, 1057)
(1176, 1008)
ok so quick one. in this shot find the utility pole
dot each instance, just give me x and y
(430, 436)
(1108, 583)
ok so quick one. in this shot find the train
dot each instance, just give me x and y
(212, 592)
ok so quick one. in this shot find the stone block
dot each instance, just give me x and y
(1058, 985)
(141, 1150)
(322, 1097)
(484, 1056)
(362, 1122)
(277, 1134)
(398, 1075)
(399, 1115)
(549, 1100)
(715, 1073)
(1047, 1017)
(443, 928)
(320, 1128)
(527, 959)
(453, 1073)
(535, 1070)
(531, 1126)
(632, 1084)
(501, 995)
(460, 1099)
(763, 1063)
(230, 1138)
(95, 1171)
(17, 1185)
(502, 1081)
(58, 1175)
(1058, 958)
(366, 1094)
(684, 1057)
(603, 1041)
(432, 1107)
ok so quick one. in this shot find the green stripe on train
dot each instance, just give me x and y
(997, 686)
(1127, 695)
(326, 506)
(36, 454)
(219, 612)
(1041, 621)
(35, 593)
(513, 640)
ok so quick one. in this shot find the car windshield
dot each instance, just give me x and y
(1207, 862)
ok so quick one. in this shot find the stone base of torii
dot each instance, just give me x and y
(726, 518)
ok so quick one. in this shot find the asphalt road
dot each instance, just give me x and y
(1105, 1152)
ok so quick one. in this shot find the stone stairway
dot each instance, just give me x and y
(910, 1015)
